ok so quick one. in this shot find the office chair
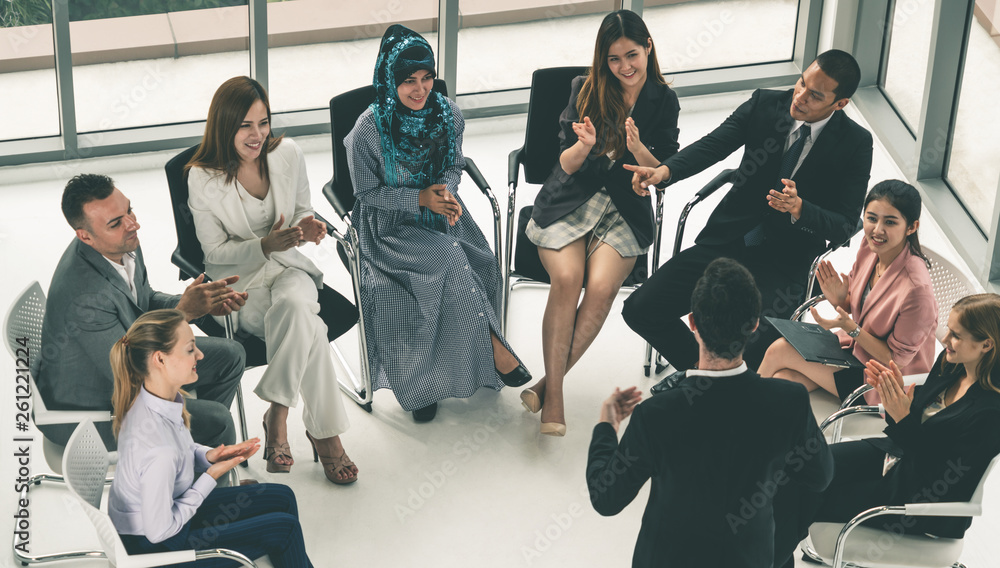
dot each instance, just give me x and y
(345, 109)
(335, 310)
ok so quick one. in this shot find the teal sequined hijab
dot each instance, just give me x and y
(420, 143)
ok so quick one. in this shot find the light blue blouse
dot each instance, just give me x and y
(154, 492)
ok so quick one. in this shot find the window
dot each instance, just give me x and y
(905, 70)
(27, 72)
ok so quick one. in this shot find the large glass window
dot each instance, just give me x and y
(134, 68)
(500, 45)
(28, 92)
(317, 49)
(905, 72)
(973, 167)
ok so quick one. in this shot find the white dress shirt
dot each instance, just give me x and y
(814, 130)
(154, 492)
(127, 271)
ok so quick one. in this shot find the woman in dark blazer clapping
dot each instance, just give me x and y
(588, 223)
(941, 437)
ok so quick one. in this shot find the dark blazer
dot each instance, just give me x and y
(88, 308)
(949, 451)
(831, 181)
(655, 115)
(717, 450)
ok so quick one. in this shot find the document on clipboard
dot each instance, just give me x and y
(815, 344)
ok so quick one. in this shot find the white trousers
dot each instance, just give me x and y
(282, 308)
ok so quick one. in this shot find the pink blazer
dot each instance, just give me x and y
(900, 309)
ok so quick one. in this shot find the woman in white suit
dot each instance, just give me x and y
(249, 198)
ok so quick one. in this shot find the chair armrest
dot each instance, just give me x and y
(514, 160)
(51, 417)
(112, 458)
(187, 267)
(334, 201)
(845, 412)
(476, 175)
(724, 177)
(810, 303)
(329, 227)
(952, 509)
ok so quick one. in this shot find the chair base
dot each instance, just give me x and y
(876, 548)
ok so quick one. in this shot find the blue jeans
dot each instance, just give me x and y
(254, 520)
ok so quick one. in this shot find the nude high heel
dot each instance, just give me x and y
(332, 465)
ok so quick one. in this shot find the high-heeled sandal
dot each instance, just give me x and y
(332, 465)
(274, 451)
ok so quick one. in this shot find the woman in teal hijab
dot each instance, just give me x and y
(430, 285)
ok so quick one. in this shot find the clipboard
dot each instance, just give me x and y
(815, 344)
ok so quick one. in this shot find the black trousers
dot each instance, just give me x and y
(654, 310)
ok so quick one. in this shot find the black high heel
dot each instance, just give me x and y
(515, 378)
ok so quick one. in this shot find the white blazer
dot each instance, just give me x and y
(230, 246)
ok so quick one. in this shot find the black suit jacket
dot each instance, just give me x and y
(831, 181)
(655, 115)
(717, 450)
(944, 458)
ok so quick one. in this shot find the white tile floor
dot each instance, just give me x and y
(477, 486)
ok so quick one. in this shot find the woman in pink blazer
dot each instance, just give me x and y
(885, 307)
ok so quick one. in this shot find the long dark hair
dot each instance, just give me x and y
(979, 314)
(153, 331)
(230, 105)
(602, 97)
(906, 199)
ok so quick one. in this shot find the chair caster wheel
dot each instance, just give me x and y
(645, 370)
(367, 407)
(659, 368)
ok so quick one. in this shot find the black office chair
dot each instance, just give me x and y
(345, 109)
(335, 310)
(550, 90)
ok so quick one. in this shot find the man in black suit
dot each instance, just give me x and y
(801, 183)
(735, 441)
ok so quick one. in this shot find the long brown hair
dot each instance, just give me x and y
(979, 314)
(602, 97)
(230, 105)
(151, 332)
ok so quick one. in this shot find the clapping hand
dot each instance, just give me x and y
(225, 458)
(438, 199)
(586, 133)
(280, 239)
(833, 284)
(313, 230)
(620, 405)
(843, 320)
(215, 298)
(632, 141)
(787, 201)
(888, 383)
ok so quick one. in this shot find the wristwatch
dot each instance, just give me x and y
(855, 332)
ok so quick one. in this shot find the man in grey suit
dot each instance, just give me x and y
(98, 289)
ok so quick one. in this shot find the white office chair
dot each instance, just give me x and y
(875, 548)
(85, 463)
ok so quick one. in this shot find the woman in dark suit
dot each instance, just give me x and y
(588, 223)
(941, 437)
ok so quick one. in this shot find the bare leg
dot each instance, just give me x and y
(566, 268)
(276, 419)
(782, 361)
(503, 360)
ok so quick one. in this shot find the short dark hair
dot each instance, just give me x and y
(80, 191)
(842, 68)
(726, 307)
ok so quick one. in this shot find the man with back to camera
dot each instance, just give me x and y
(801, 183)
(98, 289)
(735, 441)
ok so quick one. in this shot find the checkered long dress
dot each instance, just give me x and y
(429, 298)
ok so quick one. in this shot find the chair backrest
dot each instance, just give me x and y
(977, 496)
(24, 320)
(345, 109)
(950, 285)
(187, 240)
(85, 466)
(550, 89)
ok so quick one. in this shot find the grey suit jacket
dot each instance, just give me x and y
(88, 308)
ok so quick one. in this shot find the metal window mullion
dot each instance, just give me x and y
(447, 63)
(871, 39)
(634, 5)
(807, 31)
(948, 42)
(994, 243)
(258, 41)
(64, 77)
